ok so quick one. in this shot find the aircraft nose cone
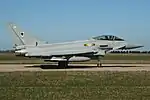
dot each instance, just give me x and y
(133, 46)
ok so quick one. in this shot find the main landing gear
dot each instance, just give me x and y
(63, 64)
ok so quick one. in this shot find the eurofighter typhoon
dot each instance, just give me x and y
(65, 52)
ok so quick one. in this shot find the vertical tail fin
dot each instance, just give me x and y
(22, 38)
(16, 38)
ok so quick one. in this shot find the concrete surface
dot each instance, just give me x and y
(74, 67)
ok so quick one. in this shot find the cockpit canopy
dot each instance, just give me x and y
(108, 37)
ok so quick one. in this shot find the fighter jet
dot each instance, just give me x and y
(66, 52)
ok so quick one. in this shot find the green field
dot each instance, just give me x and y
(127, 57)
(11, 56)
(75, 86)
(6, 58)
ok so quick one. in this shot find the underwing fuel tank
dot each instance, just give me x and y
(72, 59)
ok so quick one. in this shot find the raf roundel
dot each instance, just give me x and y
(22, 34)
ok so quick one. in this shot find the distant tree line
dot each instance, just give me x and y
(6, 51)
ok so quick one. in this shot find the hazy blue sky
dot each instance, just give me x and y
(64, 20)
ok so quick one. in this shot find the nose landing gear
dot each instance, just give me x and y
(99, 64)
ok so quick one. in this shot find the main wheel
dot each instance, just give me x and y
(63, 64)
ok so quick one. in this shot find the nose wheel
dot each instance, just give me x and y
(99, 64)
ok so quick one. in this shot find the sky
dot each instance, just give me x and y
(67, 20)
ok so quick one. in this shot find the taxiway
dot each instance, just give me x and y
(74, 67)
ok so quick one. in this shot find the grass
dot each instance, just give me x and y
(10, 58)
(75, 86)
(127, 57)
